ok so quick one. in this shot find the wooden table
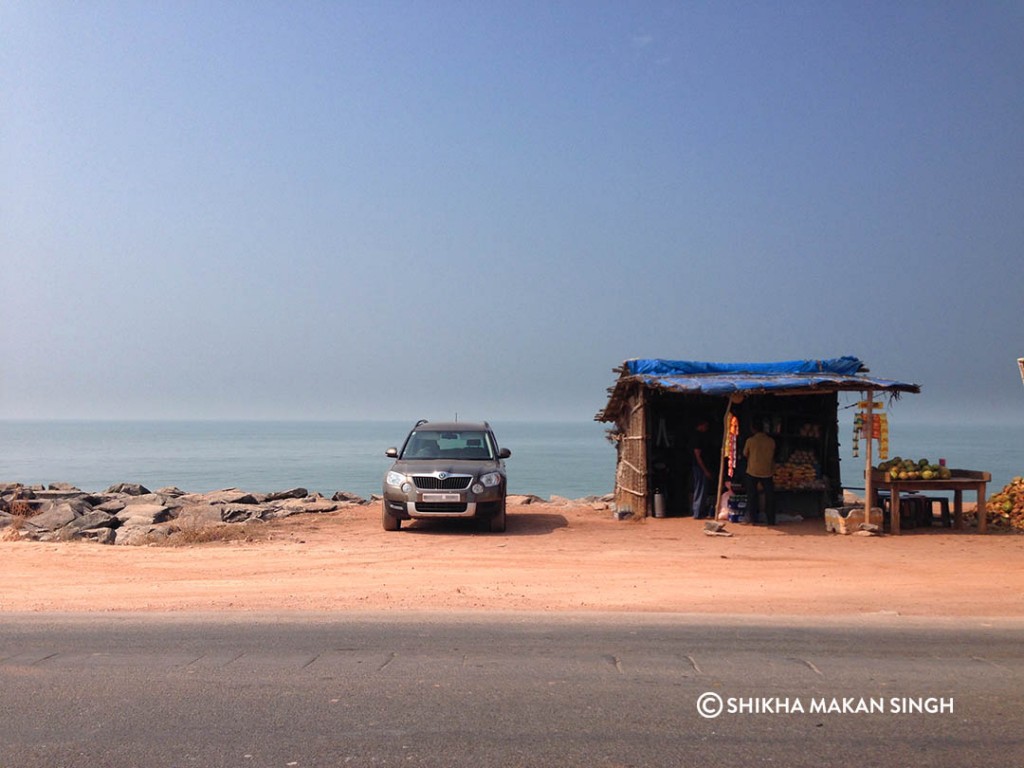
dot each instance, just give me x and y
(960, 480)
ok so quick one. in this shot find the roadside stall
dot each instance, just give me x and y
(657, 407)
(897, 476)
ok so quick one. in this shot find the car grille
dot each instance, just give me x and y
(450, 483)
(440, 507)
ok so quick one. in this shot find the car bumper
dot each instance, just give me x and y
(425, 508)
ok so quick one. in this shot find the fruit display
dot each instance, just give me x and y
(1006, 508)
(908, 469)
(799, 472)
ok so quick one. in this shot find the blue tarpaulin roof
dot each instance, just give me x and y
(789, 376)
(846, 366)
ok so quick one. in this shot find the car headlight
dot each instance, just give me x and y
(491, 479)
(395, 478)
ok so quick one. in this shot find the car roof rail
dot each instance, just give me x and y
(421, 421)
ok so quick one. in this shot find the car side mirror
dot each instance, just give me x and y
(504, 453)
(391, 453)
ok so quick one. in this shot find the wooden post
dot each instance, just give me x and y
(723, 457)
(869, 486)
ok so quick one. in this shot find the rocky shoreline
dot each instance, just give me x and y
(129, 513)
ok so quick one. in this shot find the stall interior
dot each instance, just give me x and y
(804, 428)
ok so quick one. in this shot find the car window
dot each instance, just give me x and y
(435, 444)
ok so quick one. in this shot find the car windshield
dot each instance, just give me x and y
(435, 444)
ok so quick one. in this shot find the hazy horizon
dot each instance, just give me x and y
(388, 211)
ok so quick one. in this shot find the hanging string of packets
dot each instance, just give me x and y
(879, 431)
(733, 441)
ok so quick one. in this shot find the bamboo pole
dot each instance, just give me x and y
(723, 456)
(869, 486)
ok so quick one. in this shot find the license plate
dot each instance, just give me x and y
(441, 497)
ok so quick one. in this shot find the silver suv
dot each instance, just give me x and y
(446, 470)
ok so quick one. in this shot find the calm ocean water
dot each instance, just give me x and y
(567, 459)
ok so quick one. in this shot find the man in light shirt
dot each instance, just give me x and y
(759, 451)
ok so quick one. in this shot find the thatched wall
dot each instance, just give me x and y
(631, 479)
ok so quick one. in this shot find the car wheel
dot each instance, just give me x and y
(389, 521)
(498, 521)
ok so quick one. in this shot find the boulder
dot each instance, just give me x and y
(292, 493)
(224, 496)
(170, 491)
(112, 506)
(522, 499)
(347, 498)
(93, 519)
(57, 514)
(311, 504)
(143, 514)
(240, 513)
(63, 487)
(200, 515)
(129, 489)
(57, 494)
(99, 535)
(143, 498)
(135, 535)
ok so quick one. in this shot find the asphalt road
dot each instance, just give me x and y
(118, 691)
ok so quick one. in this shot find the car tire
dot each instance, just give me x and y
(498, 521)
(389, 521)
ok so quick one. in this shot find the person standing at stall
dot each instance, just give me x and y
(705, 470)
(759, 451)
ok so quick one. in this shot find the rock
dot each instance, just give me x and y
(560, 501)
(143, 514)
(170, 491)
(524, 499)
(63, 487)
(293, 493)
(136, 535)
(200, 515)
(99, 535)
(226, 496)
(240, 513)
(347, 498)
(113, 506)
(311, 504)
(93, 519)
(55, 495)
(58, 514)
(143, 498)
(129, 489)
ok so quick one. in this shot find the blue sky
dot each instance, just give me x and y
(404, 209)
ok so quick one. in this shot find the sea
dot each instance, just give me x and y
(569, 459)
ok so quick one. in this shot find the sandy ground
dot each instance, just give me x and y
(554, 558)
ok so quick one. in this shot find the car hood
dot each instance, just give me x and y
(432, 466)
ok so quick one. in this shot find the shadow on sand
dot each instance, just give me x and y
(517, 524)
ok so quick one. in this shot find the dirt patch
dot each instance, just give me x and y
(553, 558)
